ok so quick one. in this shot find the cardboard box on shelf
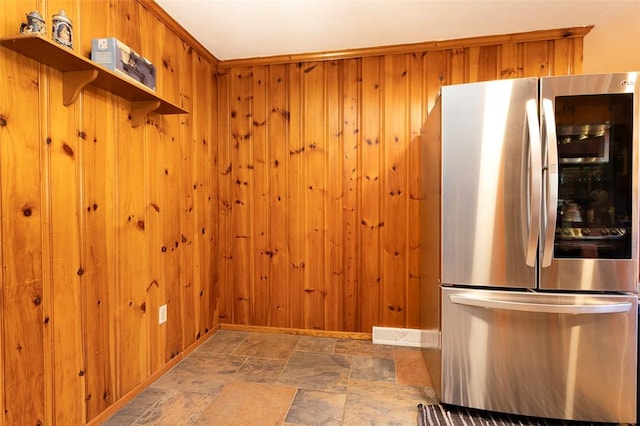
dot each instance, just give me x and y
(116, 56)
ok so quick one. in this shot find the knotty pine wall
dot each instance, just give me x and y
(288, 197)
(101, 223)
(319, 168)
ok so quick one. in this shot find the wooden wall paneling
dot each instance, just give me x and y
(317, 202)
(165, 186)
(315, 193)
(188, 216)
(21, 301)
(132, 202)
(417, 115)
(2, 382)
(212, 313)
(3, 111)
(473, 63)
(132, 253)
(62, 182)
(381, 108)
(537, 59)
(568, 56)
(295, 199)
(66, 270)
(488, 63)
(194, 138)
(259, 165)
(158, 234)
(511, 60)
(575, 66)
(334, 200)
(371, 219)
(225, 202)
(165, 56)
(436, 72)
(127, 22)
(21, 307)
(278, 253)
(458, 64)
(561, 57)
(350, 80)
(64, 369)
(395, 193)
(63, 185)
(15, 12)
(97, 240)
(203, 140)
(78, 189)
(98, 253)
(242, 175)
(48, 292)
(519, 58)
(132, 247)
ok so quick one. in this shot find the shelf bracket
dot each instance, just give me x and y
(73, 82)
(140, 109)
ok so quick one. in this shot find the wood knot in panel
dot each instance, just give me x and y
(68, 150)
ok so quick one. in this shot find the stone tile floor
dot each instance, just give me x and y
(248, 378)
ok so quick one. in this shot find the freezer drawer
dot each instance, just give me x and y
(549, 355)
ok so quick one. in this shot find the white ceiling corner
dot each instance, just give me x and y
(234, 29)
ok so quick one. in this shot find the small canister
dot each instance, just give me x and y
(62, 29)
(35, 24)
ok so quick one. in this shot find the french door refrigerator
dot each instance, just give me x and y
(538, 246)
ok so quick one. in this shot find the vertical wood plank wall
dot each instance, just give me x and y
(101, 223)
(319, 169)
(288, 197)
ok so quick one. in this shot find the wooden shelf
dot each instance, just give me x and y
(78, 72)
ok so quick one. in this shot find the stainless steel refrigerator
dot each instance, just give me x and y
(530, 237)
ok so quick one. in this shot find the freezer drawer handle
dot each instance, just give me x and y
(610, 308)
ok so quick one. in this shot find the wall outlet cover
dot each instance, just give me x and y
(162, 314)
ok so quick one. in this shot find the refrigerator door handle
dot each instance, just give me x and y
(551, 187)
(609, 308)
(534, 191)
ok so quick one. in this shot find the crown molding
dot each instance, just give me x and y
(174, 26)
(541, 35)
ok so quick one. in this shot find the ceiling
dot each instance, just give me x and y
(235, 29)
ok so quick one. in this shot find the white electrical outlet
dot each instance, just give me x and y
(162, 314)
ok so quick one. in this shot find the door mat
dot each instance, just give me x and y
(451, 415)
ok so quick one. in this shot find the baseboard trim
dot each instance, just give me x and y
(297, 331)
(405, 337)
(126, 398)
